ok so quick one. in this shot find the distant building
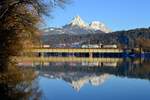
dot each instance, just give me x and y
(109, 46)
(46, 46)
(75, 45)
(90, 46)
(61, 45)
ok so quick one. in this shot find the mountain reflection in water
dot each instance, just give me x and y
(23, 81)
(77, 74)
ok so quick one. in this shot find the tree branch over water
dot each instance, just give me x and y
(19, 20)
(18, 30)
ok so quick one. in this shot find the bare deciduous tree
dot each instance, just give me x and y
(18, 24)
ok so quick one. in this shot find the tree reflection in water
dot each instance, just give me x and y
(17, 82)
(70, 72)
(20, 82)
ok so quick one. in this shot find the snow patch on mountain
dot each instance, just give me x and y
(77, 21)
(79, 26)
(96, 25)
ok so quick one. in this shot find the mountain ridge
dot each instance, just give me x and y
(78, 26)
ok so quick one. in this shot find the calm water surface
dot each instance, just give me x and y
(126, 80)
(118, 80)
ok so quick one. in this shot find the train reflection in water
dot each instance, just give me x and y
(77, 74)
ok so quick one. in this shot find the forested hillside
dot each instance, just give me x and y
(130, 38)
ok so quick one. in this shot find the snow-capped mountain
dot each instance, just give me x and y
(96, 25)
(78, 26)
(77, 21)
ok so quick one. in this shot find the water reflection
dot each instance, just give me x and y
(17, 82)
(25, 80)
(78, 74)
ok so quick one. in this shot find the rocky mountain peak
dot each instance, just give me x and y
(96, 25)
(79, 26)
(77, 21)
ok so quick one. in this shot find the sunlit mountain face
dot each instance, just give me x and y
(77, 26)
(73, 34)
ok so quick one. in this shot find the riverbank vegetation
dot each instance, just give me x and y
(19, 29)
(19, 21)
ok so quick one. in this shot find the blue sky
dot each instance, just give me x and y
(116, 14)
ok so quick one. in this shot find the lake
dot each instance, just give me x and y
(124, 79)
